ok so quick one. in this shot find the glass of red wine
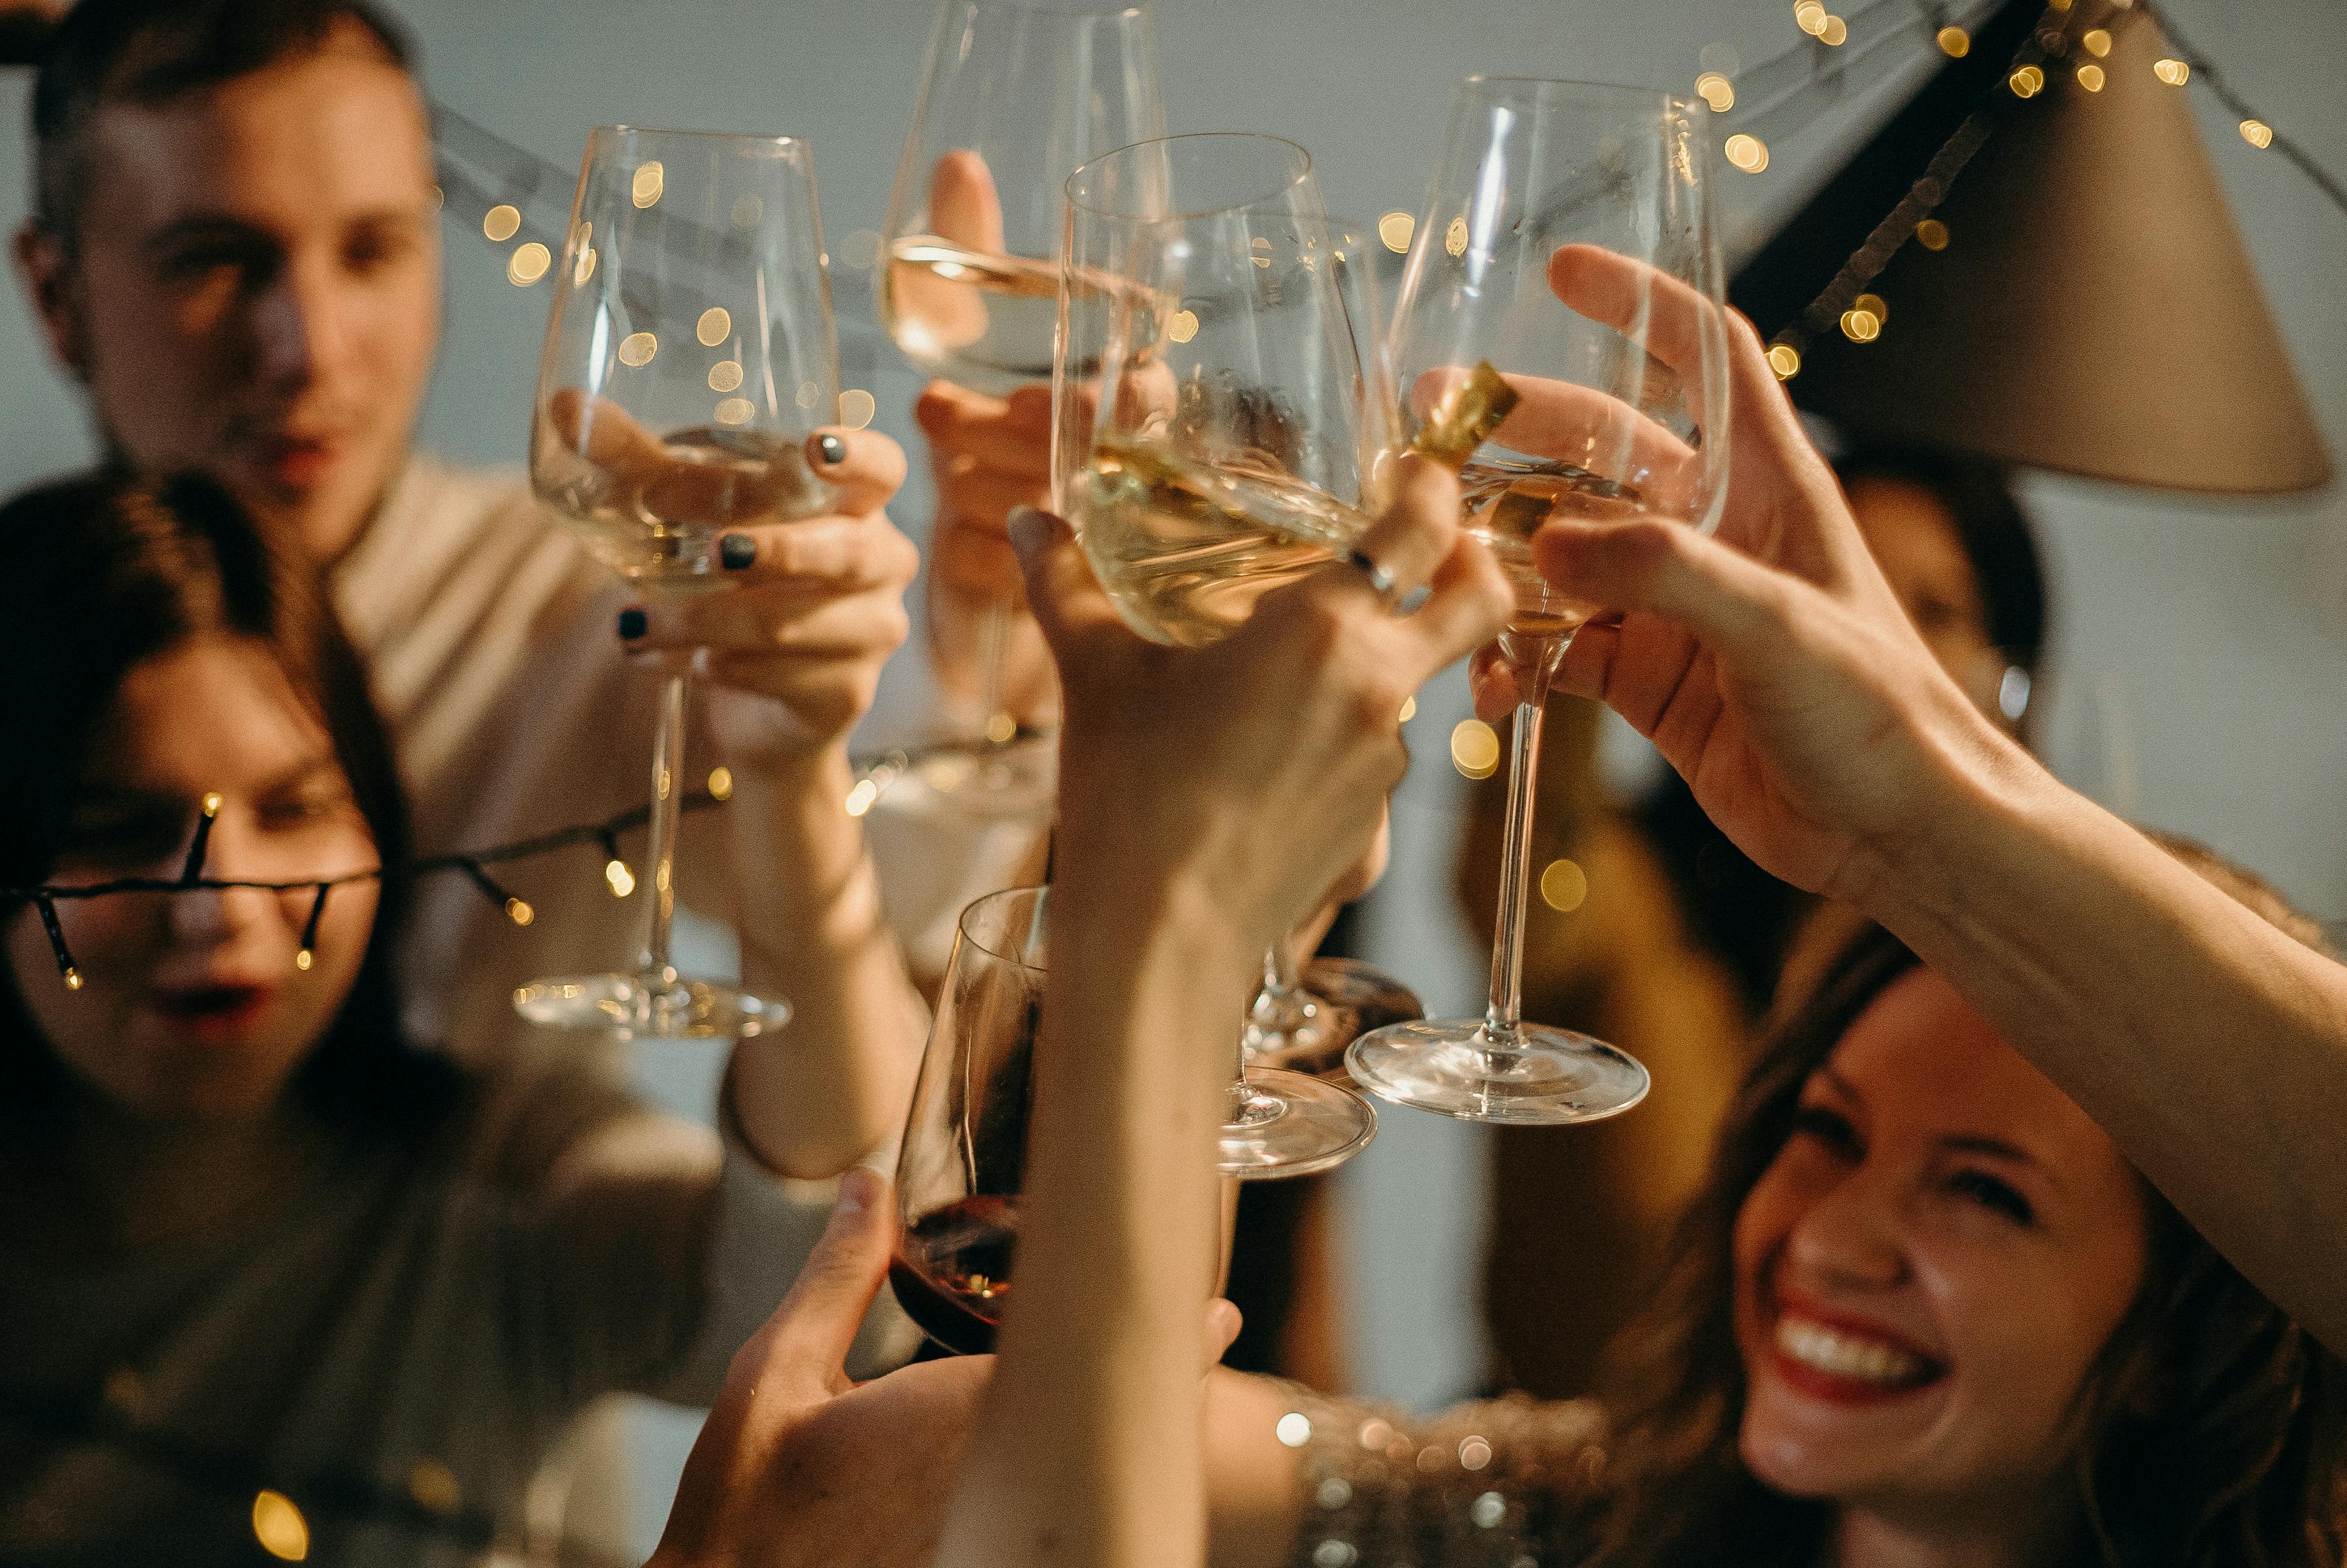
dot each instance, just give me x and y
(965, 1150)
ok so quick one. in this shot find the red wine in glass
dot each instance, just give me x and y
(951, 1271)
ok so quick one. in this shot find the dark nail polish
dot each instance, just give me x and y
(631, 622)
(834, 450)
(735, 552)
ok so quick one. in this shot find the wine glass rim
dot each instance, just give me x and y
(1617, 89)
(1094, 10)
(1302, 173)
(743, 136)
(963, 925)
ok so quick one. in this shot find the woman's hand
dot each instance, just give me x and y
(1771, 665)
(1255, 771)
(989, 457)
(814, 608)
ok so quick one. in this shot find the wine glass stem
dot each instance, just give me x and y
(660, 848)
(993, 637)
(1506, 1010)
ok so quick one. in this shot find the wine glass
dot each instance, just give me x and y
(1015, 95)
(1226, 432)
(965, 1149)
(688, 356)
(1548, 190)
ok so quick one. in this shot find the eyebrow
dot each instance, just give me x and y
(227, 226)
(1957, 1143)
(106, 792)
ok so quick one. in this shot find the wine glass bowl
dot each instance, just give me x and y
(689, 355)
(1567, 276)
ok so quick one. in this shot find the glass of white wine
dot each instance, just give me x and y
(1566, 274)
(1014, 96)
(1227, 431)
(688, 356)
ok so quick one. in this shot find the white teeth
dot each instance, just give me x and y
(1842, 1355)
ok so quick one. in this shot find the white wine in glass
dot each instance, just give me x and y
(688, 356)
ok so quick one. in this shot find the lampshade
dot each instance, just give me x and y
(2092, 309)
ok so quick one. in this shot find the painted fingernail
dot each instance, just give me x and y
(631, 622)
(735, 552)
(834, 450)
(1029, 527)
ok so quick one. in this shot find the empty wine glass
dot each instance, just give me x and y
(1014, 96)
(1226, 432)
(1565, 275)
(688, 356)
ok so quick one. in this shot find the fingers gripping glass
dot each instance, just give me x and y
(1568, 243)
(1015, 95)
(688, 356)
(1222, 427)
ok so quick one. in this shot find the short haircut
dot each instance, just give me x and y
(149, 52)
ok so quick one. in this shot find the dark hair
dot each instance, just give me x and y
(1990, 526)
(2212, 1428)
(151, 51)
(107, 572)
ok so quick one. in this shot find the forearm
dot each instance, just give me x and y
(1097, 1396)
(832, 1083)
(2210, 1045)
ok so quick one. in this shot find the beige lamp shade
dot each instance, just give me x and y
(2090, 309)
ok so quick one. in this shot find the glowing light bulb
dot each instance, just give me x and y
(519, 911)
(1955, 43)
(1563, 886)
(720, 784)
(621, 879)
(1717, 90)
(2174, 72)
(73, 979)
(1408, 709)
(2098, 42)
(862, 798)
(212, 802)
(1474, 749)
(1932, 234)
(501, 223)
(2027, 82)
(1860, 326)
(1394, 231)
(636, 350)
(1784, 360)
(528, 264)
(280, 1528)
(2257, 133)
(1836, 32)
(715, 325)
(1872, 305)
(303, 960)
(1747, 152)
(2090, 76)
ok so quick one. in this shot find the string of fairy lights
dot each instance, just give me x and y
(1796, 89)
(474, 864)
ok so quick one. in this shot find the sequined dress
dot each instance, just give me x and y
(1495, 1484)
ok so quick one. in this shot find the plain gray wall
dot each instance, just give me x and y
(2202, 646)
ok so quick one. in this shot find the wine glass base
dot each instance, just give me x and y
(648, 1006)
(1537, 1076)
(1296, 1126)
(1349, 999)
(970, 779)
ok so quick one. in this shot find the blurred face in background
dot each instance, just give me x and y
(253, 284)
(193, 1005)
(1913, 537)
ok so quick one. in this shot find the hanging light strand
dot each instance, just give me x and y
(2201, 68)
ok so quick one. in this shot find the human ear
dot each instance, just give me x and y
(55, 287)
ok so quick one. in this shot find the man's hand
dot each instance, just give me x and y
(1771, 665)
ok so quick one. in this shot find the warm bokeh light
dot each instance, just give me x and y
(1872, 305)
(303, 960)
(720, 784)
(1860, 326)
(636, 349)
(280, 1528)
(648, 184)
(212, 802)
(1000, 728)
(2098, 42)
(2257, 133)
(1932, 234)
(725, 376)
(1784, 360)
(715, 325)
(519, 911)
(1294, 1430)
(1408, 709)
(1811, 17)
(2090, 76)
(2027, 82)
(501, 223)
(528, 264)
(1715, 90)
(861, 798)
(73, 979)
(1183, 327)
(736, 411)
(1836, 32)
(1454, 238)
(1563, 886)
(2172, 71)
(1474, 748)
(584, 268)
(622, 880)
(434, 1486)
(1747, 152)
(1955, 43)
(856, 407)
(1395, 230)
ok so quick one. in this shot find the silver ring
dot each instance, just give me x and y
(1381, 577)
